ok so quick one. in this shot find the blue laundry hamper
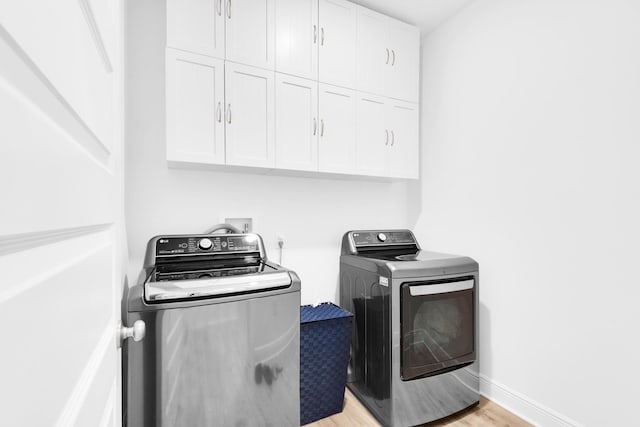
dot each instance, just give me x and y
(325, 335)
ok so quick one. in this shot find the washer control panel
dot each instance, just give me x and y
(374, 238)
(190, 245)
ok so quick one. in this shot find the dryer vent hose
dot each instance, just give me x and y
(227, 227)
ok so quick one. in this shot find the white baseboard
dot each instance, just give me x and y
(522, 406)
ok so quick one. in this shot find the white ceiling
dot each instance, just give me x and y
(425, 14)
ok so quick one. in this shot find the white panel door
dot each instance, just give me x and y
(296, 123)
(196, 26)
(403, 76)
(373, 52)
(62, 249)
(249, 116)
(297, 37)
(372, 135)
(195, 102)
(337, 55)
(404, 144)
(337, 143)
(250, 32)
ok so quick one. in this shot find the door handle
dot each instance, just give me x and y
(219, 7)
(386, 141)
(229, 9)
(321, 127)
(219, 113)
(387, 49)
(321, 35)
(393, 138)
(315, 34)
(393, 55)
(441, 288)
(315, 126)
(229, 113)
(137, 332)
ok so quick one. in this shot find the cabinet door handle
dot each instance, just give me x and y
(219, 113)
(387, 49)
(229, 113)
(321, 127)
(386, 141)
(393, 56)
(229, 9)
(315, 34)
(321, 36)
(219, 7)
(393, 138)
(315, 126)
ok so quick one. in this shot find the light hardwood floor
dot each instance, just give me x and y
(486, 414)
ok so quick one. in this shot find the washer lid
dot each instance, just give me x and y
(215, 286)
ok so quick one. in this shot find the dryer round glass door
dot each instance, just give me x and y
(437, 326)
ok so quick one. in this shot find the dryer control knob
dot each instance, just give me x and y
(382, 237)
(205, 244)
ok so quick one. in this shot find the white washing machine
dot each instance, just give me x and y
(222, 344)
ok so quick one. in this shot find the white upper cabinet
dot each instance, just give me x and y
(404, 153)
(195, 97)
(306, 85)
(373, 135)
(337, 56)
(403, 72)
(250, 32)
(337, 143)
(387, 137)
(374, 54)
(388, 56)
(249, 116)
(297, 37)
(297, 125)
(196, 26)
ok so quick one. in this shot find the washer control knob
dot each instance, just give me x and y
(382, 237)
(205, 244)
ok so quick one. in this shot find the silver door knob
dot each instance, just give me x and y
(137, 332)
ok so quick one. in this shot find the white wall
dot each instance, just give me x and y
(310, 213)
(531, 145)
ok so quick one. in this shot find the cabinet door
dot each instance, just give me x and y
(250, 32)
(404, 153)
(249, 116)
(194, 102)
(403, 76)
(196, 26)
(337, 57)
(373, 135)
(336, 146)
(296, 123)
(297, 37)
(373, 53)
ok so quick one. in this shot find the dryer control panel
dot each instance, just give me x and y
(375, 238)
(357, 242)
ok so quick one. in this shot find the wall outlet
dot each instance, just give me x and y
(245, 225)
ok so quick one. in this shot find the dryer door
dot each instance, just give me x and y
(437, 326)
